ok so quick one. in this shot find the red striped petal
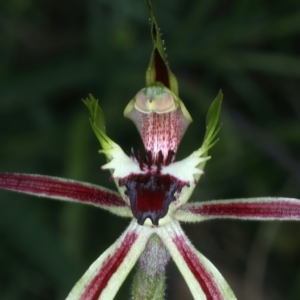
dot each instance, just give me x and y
(203, 279)
(105, 276)
(96, 286)
(250, 209)
(64, 189)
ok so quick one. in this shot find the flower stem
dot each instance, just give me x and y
(150, 279)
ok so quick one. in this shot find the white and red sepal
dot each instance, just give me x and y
(203, 279)
(105, 276)
(65, 189)
(262, 208)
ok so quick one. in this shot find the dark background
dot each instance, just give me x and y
(53, 53)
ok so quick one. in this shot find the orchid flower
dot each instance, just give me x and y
(153, 190)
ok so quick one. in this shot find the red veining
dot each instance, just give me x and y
(96, 286)
(55, 187)
(204, 278)
(271, 209)
(161, 132)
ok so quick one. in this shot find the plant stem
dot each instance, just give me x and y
(150, 280)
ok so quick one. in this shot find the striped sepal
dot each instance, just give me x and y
(105, 276)
(65, 189)
(265, 208)
(203, 279)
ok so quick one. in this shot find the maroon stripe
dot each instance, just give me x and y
(53, 187)
(94, 288)
(204, 278)
(271, 209)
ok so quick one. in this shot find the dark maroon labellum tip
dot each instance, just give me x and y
(150, 194)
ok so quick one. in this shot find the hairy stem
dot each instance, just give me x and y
(150, 280)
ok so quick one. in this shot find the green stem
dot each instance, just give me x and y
(150, 280)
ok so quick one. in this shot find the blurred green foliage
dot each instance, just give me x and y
(53, 53)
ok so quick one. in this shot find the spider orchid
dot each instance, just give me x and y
(153, 191)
